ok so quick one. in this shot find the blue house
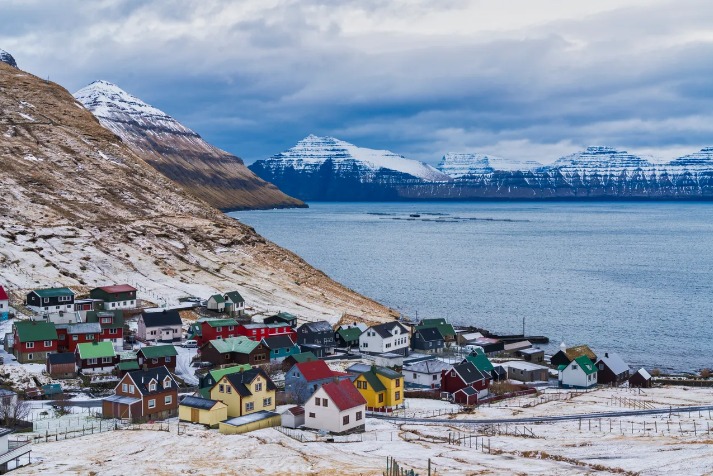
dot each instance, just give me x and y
(281, 346)
(303, 379)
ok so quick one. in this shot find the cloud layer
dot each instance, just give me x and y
(523, 79)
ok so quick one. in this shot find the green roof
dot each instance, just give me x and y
(96, 350)
(220, 373)
(51, 292)
(304, 357)
(217, 298)
(586, 364)
(481, 362)
(128, 365)
(374, 381)
(443, 327)
(31, 331)
(240, 344)
(157, 351)
(117, 321)
(561, 367)
(221, 322)
(235, 296)
(350, 334)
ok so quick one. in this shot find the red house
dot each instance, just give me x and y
(463, 375)
(112, 325)
(69, 336)
(33, 341)
(157, 356)
(257, 332)
(212, 329)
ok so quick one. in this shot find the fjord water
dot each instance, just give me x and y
(634, 278)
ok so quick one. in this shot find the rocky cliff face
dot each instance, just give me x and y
(7, 58)
(325, 168)
(80, 208)
(208, 173)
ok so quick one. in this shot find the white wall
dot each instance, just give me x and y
(371, 341)
(576, 377)
(330, 418)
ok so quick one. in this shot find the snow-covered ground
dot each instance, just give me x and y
(183, 365)
(560, 448)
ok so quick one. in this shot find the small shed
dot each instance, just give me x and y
(203, 411)
(61, 365)
(216, 303)
(249, 422)
(389, 359)
(466, 396)
(51, 389)
(640, 379)
(126, 366)
(293, 417)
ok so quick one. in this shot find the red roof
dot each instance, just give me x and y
(316, 370)
(119, 288)
(344, 394)
(3, 294)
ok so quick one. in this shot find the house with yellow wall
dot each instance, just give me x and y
(245, 392)
(382, 388)
(202, 411)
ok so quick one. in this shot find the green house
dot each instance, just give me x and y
(446, 329)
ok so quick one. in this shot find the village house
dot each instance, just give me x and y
(424, 374)
(234, 303)
(4, 304)
(567, 354)
(347, 337)
(33, 341)
(210, 378)
(281, 347)
(389, 337)
(208, 329)
(580, 373)
(490, 346)
(202, 411)
(61, 365)
(143, 395)
(120, 296)
(467, 337)
(316, 337)
(481, 361)
(465, 374)
(245, 392)
(49, 301)
(160, 326)
(293, 417)
(112, 326)
(149, 357)
(303, 379)
(216, 303)
(127, 363)
(69, 336)
(84, 306)
(531, 354)
(526, 371)
(612, 370)
(288, 362)
(96, 358)
(444, 328)
(640, 379)
(382, 388)
(234, 350)
(282, 318)
(258, 331)
(336, 407)
(427, 339)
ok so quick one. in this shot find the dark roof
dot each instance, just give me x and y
(142, 378)
(116, 315)
(241, 380)
(373, 380)
(167, 317)
(118, 288)
(469, 372)
(318, 326)
(387, 329)
(430, 334)
(63, 358)
(198, 402)
(344, 394)
(467, 390)
(285, 317)
(278, 342)
(234, 296)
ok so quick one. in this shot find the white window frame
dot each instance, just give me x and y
(152, 403)
(168, 400)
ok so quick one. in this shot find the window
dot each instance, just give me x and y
(154, 361)
(48, 343)
(106, 320)
(92, 361)
(435, 377)
(361, 384)
(56, 307)
(397, 396)
(167, 359)
(106, 360)
(266, 402)
(381, 398)
(75, 337)
(311, 415)
(29, 356)
(152, 386)
(574, 367)
(358, 416)
(453, 373)
(345, 420)
(124, 387)
(221, 388)
(325, 402)
(317, 402)
(398, 382)
(168, 400)
(230, 328)
(152, 403)
(46, 300)
(228, 389)
(250, 406)
(131, 388)
(218, 329)
(258, 387)
(601, 365)
(112, 331)
(30, 345)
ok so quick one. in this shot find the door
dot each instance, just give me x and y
(194, 415)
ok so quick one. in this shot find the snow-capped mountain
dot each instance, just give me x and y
(602, 159)
(7, 58)
(460, 165)
(211, 174)
(325, 168)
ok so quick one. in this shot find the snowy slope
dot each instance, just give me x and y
(313, 151)
(602, 159)
(6, 57)
(458, 165)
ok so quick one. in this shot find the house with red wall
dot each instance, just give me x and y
(465, 374)
(257, 332)
(211, 329)
(112, 325)
(33, 341)
(71, 335)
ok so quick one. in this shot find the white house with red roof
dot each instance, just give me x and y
(4, 304)
(337, 407)
(304, 378)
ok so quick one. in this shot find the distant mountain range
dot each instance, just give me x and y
(325, 168)
(206, 172)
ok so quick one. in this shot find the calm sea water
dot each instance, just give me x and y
(632, 278)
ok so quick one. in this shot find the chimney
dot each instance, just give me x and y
(606, 354)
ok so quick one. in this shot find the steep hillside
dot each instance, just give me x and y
(208, 173)
(79, 208)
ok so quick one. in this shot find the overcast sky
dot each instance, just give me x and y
(525, 79)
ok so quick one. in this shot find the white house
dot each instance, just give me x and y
(580, 373)
(161, 326)
(293, 417)
(4, 304)
(337, 407)
(390, 337)
(216, 303)
(425, 374)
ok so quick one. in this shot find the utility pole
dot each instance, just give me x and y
(523, 326)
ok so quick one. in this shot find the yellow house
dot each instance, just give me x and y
(202, 411)
(245, 392)
(382, 388)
